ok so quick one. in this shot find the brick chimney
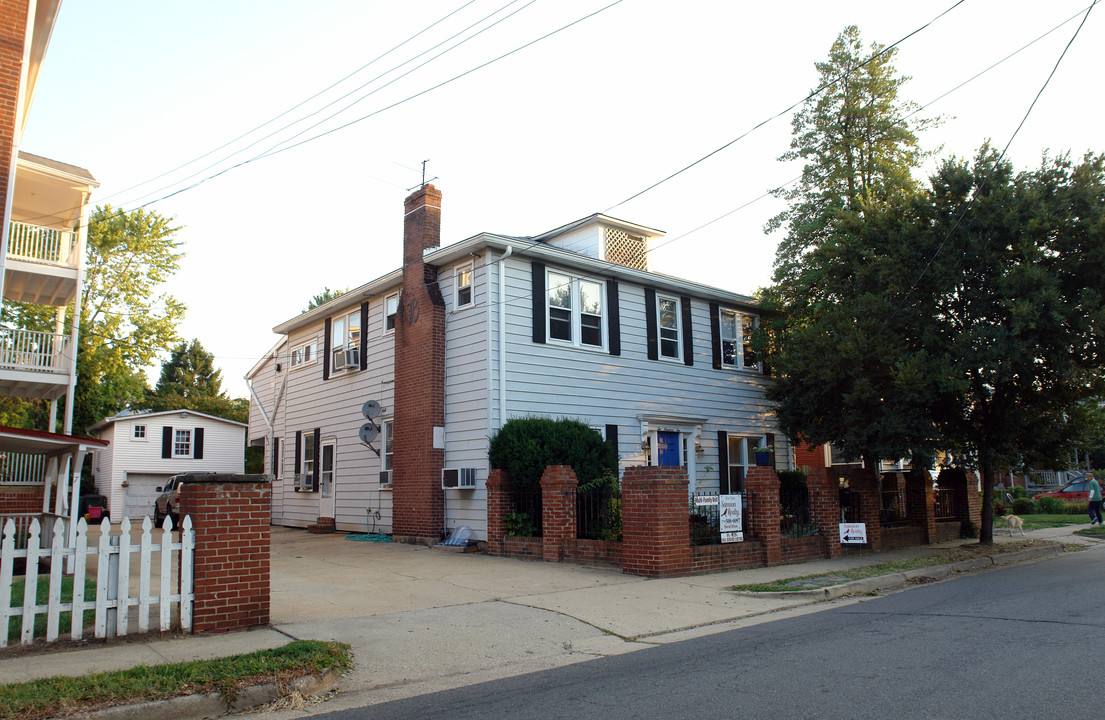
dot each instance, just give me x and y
(419, 510)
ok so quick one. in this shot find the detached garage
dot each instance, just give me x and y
(148, 448)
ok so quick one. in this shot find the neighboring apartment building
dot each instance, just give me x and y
(569, 323)
(145, 449)
(42, 249)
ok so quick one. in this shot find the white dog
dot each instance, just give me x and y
(1015, 523)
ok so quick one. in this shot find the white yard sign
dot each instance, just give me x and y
(853, 533)
(729, 512)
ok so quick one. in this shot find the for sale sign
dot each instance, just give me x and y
(853, 533)
(729, 512)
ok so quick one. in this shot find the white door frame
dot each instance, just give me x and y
(326, 484)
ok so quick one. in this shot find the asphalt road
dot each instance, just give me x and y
(1018, 642)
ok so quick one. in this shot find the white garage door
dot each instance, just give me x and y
(141, 493)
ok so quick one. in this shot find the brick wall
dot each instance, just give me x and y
(762, 522)
(21, 499)
(825, 508)
(803, 549)
(809, 456)
(730, 556)
(920, 492)
(13, 35)
(419, 501)
(558, 510)
(864, 482)
(230, 517)
(656, 535)
(499, 505)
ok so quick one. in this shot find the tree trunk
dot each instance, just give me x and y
(986, 524)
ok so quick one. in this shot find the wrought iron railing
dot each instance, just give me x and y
(599, 515)
(894, 511)
(946, 506)
(41, 244)
(794, 508)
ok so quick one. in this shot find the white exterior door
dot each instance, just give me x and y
(326, 481)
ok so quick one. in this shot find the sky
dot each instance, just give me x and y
(180, 105)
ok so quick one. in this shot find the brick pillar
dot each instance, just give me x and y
(656, 534)
(558, 510)
(764, 510)
(867, 485)
(919, 488)
(499, 505)
(419, 501)
(825, 507)
(969, 501)
(230, 518)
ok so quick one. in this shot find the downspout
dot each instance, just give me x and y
(502, 333)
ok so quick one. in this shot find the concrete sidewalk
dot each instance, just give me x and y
(421, 619)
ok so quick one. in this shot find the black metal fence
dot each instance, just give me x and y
(526, 518)
(794, 510)
(947, 508)
(705, 521)
(850, 506)
(895, 510)
(599, 515)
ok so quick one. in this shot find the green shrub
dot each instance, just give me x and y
(968, 529)
(790, 479)
(524, 447)
(1024, 506)
(1076, 507)
(1052, 506)
(519, 525)
(1019, 492)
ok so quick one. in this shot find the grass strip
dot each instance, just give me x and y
(63, 695)
(1097, 531)
(42, 597)
(943, 557)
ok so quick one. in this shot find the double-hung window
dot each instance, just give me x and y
(389, 446)
(464, 285)
(182, 443)
(575, 309)
(669, 325)
(345, 342)
(304, 354)
(736, 340)
(391, 307)
(307, 479)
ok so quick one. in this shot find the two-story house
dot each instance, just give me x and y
(42, 248)
(379, 398)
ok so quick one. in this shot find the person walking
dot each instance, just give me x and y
(1095, 499)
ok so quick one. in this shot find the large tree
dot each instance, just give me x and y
(829, 349)
(189, 380)
(126, 320)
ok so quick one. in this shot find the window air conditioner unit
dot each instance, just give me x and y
(463, 478)
(339, 359)
(385, 478)
(352, 358)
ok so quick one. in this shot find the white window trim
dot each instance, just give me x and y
(307, 459)
(346, 345)
(457, 304)
(190, 441)
(299, 351)
(387, 454)
(678, 357)
(140, 438)
(387, 299)
(739, 340)
(577, 312)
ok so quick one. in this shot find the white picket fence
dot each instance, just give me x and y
(112, 557)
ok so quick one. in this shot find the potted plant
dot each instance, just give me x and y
(763, 455)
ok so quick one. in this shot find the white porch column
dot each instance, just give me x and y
(75, 330)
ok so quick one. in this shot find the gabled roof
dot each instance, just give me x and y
(273, 354)
(144, 415)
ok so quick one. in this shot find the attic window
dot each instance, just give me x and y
(625, 249)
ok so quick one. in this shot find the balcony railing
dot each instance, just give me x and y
(34, 350)
(42, 245)
(22, 468)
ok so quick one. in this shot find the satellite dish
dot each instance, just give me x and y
(368, 432)
(371, 409)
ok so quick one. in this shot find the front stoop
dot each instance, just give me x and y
(322, 526)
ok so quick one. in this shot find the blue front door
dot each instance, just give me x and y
(667, 453)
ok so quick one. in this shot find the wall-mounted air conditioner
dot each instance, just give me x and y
(339, 359)
(385, 479)
(353, 357)
(462, 478)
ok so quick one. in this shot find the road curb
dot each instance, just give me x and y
(892, 581)
(201, 705)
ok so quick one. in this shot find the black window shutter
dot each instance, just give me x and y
(298, 452)
(688, 333)
(197, 447)
(275, 456)
(318, 469)
(166, 442)
(771, 444)
(364, 336)
(326, 350)
(723, 462)
(612, 436)
(537, 271)
(614, 317)
(650, 323)
(715, 333)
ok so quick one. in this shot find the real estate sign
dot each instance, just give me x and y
(853, 533)
(730, 515)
